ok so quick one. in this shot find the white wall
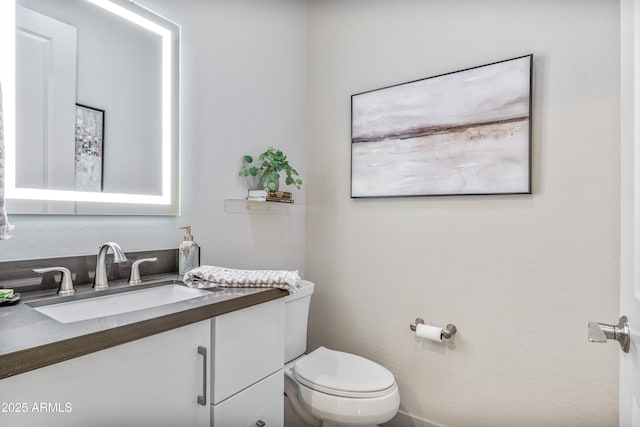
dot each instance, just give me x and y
(520, 276)
(243, 89)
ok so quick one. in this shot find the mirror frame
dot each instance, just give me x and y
(112, 203)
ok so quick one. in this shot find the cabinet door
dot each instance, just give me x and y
(249, 346)
(263, 401)
(153, 381)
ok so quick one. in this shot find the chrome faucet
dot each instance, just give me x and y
(100, 281)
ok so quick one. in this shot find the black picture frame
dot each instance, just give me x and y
(467, 132)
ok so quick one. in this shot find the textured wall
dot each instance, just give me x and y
(519, 275)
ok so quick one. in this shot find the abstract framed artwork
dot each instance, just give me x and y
(89, 148)
(462, 133)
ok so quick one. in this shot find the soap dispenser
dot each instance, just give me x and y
(188, 252)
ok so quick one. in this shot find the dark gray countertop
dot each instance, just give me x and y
(30, 339)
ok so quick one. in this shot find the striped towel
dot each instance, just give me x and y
(208, 276)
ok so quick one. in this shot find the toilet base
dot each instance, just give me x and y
(292, 419)
(298, 414)
(293, 416)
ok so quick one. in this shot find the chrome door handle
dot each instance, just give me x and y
(260, 423)
(602, 332)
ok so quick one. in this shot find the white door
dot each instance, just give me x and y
(46, 52)
(630, 219)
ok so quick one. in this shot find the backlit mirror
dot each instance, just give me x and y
(90, 107)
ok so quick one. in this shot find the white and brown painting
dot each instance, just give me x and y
(466, 132)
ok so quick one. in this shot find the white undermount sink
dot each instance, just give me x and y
(125, 302)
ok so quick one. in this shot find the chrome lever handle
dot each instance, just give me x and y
(602, 332)
(66, 284)
(595, 333)
(134, 275)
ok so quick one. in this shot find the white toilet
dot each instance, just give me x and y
(331, 388)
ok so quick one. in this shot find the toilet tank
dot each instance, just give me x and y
(296, 309)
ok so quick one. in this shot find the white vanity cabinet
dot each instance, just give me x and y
(221, 372)
(246, 376)
(152, 381)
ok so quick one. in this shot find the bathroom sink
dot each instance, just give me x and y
(124, 302)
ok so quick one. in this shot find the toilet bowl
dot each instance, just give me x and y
(332, 388)
(341, 389)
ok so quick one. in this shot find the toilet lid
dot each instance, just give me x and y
(343, 374)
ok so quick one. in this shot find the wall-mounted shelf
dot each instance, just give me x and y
(243, 206)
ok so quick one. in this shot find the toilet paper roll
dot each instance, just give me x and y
(429, 332)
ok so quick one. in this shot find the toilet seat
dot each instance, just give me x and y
(343, 375)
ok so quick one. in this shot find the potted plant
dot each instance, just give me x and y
(269, 168)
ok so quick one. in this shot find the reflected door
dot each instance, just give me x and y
(46, 82)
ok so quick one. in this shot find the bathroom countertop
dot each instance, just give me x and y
(31, 340)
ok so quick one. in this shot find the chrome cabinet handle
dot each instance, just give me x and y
(602, 332)
(260, 423)
(202, 399)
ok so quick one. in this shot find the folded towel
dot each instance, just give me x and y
(208, 276)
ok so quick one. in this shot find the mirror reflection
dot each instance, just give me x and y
(91, 99)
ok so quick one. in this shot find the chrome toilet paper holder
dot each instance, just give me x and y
(447, 332)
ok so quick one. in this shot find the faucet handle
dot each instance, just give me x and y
(66, 285)
(134, 277)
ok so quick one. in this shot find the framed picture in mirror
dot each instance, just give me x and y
(89, 148)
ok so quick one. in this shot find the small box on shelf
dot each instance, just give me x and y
(257, 194)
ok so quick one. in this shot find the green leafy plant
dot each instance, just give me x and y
(269, 167)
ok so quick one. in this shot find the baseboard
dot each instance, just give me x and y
(403, 419)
